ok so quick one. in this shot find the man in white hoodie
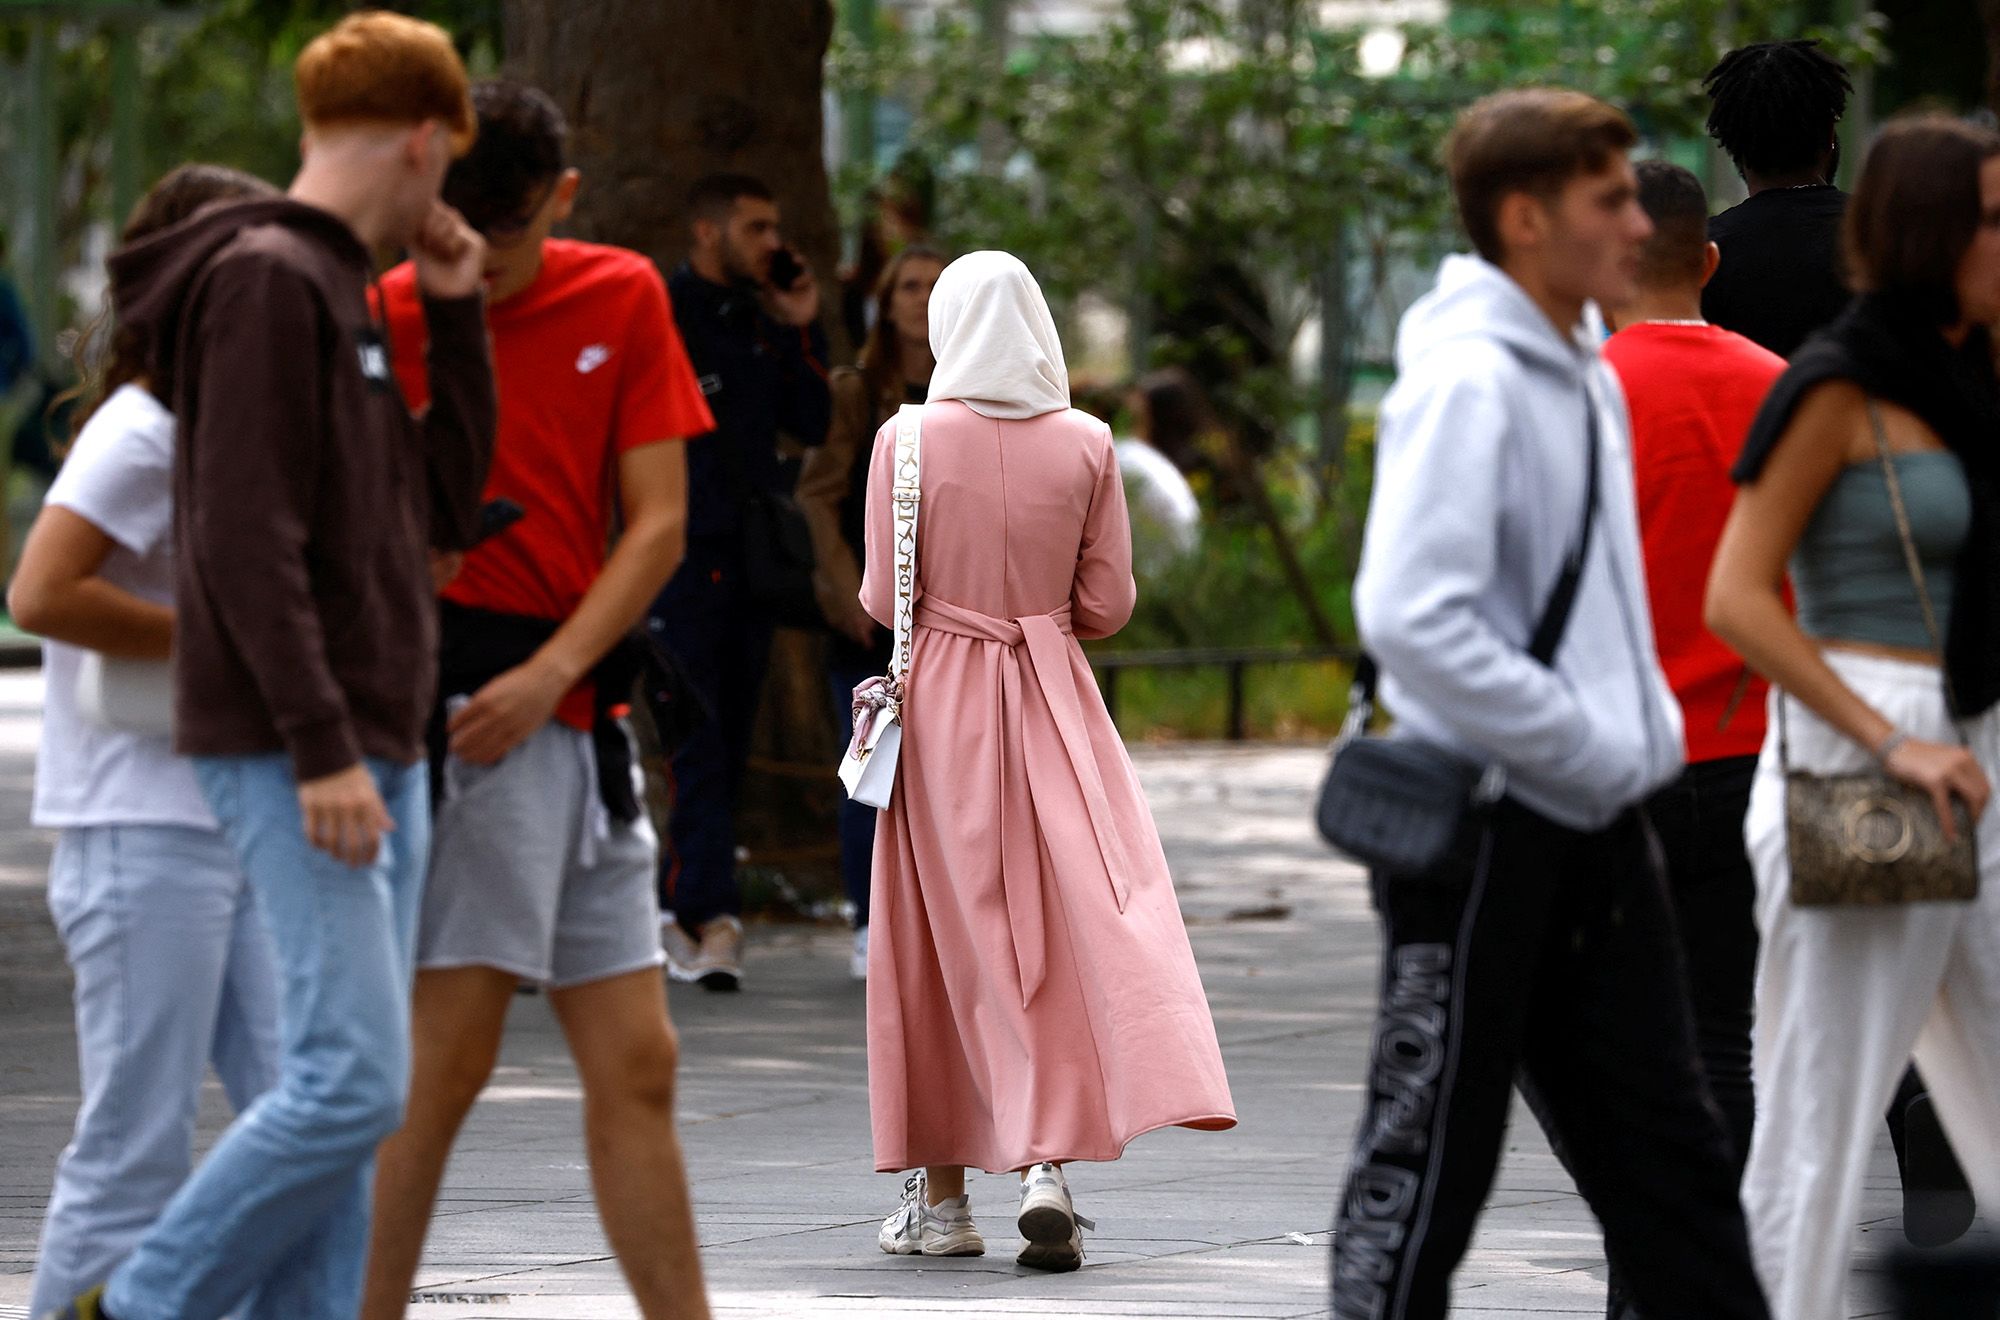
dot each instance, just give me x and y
(1548, 954)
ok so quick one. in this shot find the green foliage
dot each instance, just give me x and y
(1185, 137)
(1227, 171)
(218, 74)
(215, 85)
(1232, 593)
(1185, 124)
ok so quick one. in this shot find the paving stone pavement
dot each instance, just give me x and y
(774, 1114)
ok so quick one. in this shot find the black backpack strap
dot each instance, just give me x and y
(1549, 629)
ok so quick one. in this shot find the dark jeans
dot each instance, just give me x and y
(1552, 958)
(724, 642)
(857, 819)
(1699, 822)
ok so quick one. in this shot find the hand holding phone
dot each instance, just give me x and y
(785, 269)
(791, 293)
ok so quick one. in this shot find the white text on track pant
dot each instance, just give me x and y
(1845, 995)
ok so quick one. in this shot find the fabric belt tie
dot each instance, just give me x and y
(1046, 639)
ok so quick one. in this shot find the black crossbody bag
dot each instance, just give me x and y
(1407, 807)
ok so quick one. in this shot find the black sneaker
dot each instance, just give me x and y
(1938, 1206)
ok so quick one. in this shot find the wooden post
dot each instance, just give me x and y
(1236, 720)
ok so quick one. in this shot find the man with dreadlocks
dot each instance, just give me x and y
(1774, 108)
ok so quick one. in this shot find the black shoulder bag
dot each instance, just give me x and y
(1407, 807)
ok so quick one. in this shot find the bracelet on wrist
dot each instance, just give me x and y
(1890, 742)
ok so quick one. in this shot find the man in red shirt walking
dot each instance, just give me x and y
(1692, 389)
(543, 866)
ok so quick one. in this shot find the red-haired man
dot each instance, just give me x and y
(307, 501)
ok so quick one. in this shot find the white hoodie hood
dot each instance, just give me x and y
(1480, 472)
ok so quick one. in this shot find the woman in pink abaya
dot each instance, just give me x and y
(1032, 999)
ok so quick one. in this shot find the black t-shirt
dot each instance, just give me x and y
(1780, 277)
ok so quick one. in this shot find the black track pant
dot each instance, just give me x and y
(1699, 821)
(1552, 957)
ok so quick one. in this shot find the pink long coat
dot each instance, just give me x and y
(1031, 993)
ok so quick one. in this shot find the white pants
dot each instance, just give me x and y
(1845, 995)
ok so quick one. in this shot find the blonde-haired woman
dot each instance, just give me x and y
(1032, 999)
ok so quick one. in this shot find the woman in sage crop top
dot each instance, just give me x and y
(1848, 994)
(1850, 575)
(1819, 509)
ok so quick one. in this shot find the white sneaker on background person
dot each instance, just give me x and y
(713, 961)
(683, 953)
(720, 963)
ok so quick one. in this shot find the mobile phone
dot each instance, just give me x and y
(785, 269)
(495, 517)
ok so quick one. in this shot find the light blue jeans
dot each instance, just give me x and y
(173, 970)
(275, 1221)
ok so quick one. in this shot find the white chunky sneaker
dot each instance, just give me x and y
(719, 965)
(921, 1229)
(682, 950)
(1049, 1223)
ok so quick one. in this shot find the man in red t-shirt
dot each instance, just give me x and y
(543, 862)
(1693, 389)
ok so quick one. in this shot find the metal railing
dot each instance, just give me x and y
(1233, 661)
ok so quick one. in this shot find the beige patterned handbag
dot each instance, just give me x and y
(1867, 839)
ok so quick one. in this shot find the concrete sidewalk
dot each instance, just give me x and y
(775, 1114)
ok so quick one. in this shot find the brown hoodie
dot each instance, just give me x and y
(306, 496)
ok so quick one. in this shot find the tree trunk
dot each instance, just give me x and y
(658, 95)
(1989, 13)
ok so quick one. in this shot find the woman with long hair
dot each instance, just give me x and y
(895, 368)
(173, 967)
(1873, 474)
(1032, 999)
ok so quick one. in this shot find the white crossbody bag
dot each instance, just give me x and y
(131, 696)
(868, 770)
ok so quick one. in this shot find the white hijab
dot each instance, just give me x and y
(996, 345)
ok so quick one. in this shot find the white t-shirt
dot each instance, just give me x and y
(119, 477)
(1166, 517)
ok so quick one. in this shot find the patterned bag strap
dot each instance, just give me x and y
(1912, 561)
(906, 496)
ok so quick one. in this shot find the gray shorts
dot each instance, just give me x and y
(531, 875)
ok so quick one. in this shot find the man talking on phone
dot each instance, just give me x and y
(307, 500)
(748, 311)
